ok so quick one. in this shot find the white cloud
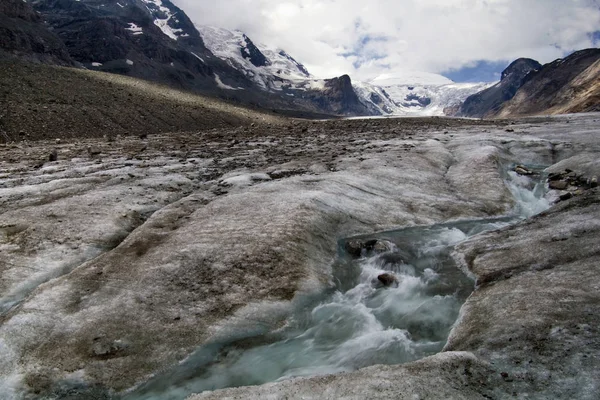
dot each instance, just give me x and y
(366, 38)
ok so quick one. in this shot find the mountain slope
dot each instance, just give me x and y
(154, 40)
(147, 39)
(490, 100)
(567, 85)
(24, 34)
(42, 102)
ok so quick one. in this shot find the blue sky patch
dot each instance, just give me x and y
(482, 71)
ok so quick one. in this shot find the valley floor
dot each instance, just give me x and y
(119, 257)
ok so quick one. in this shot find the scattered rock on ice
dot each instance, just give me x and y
(104, 348)
(570, 183)
(93, 151)
(558, 185)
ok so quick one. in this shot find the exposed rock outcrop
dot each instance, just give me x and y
(252, 53)
(340, 93)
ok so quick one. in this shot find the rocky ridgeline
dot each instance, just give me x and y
(568, 85)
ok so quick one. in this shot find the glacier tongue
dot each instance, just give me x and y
(431, 99)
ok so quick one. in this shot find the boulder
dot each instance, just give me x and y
(388, 279)
(558, 185)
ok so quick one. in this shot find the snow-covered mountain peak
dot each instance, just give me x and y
(268, 67)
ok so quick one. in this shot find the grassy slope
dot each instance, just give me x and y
(38, 101)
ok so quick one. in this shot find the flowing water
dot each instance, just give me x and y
(359, 322)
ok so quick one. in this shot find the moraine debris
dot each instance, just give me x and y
(570, 184)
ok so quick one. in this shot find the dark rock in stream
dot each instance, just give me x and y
(388, 280)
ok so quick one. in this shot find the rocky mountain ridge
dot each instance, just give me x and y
(491, 99)
(154, 40)
(563, 86)
(417, 94)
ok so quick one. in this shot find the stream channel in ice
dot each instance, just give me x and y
(359, 322)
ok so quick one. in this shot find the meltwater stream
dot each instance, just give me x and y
(360, 322)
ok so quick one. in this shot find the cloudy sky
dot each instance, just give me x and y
(462, 39)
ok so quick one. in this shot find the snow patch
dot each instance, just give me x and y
(316, 84)
(137, 30)
(163, 23)
(244, 180)
(221, 85)
(198, 57)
